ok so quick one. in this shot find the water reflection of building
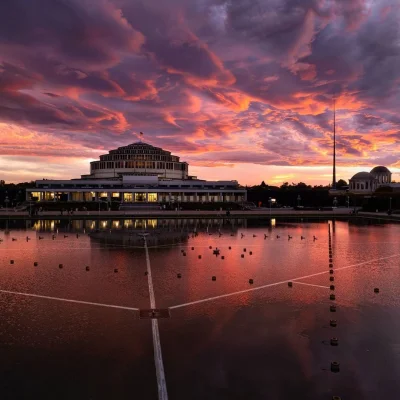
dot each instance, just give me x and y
(137, 173)
(139, 224)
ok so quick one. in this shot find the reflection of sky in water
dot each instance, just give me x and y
(249, 345)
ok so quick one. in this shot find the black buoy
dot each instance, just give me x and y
(210, 247)
(184, 254)
(331, 278)
(331, 271)
(11, 261)
(376, 290)
(250, 252)
(335, 366)
(333, 323)
(199, 257)
(334, 341)
(222, 257)
(214, 278)
(290, 284)
(192, 248)
(330, 265)
(115, 270)
(35, 264)
(87, 268)
(332, 297)
(251, 281)
(332, 308)
(179, 275)
(332, 287)
(60, 266)
(242, 255)
(244, 249)
(229, 247)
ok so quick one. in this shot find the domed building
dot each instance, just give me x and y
(137, 173)
(381, 174)
(368, 182)
(140, 159)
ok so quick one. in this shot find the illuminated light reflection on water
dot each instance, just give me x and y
(247, 345)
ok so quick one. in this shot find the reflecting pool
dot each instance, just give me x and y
(71, 293)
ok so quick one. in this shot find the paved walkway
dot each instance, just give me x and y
(177, 214)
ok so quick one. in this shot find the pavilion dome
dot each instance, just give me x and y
(362, 175)
(380, 170)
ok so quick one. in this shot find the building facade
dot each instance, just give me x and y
(368, 182)
(138, 173)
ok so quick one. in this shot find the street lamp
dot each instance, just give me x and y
(270, 202)
(6, 201)
(298, 200)
(390, 203)
(348, 202)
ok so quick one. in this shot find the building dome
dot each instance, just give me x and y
(362, 176)
(382, 174)
(380, 169)
(138, 159)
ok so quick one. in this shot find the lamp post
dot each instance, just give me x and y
(298, 200)
(348, 202)
(6, 201)
(270, 203)
(390, 203)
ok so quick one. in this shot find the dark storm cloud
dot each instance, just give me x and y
(80, 31)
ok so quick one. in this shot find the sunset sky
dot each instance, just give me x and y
(240, 89)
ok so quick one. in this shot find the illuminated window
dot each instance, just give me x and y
(116, 195)
(35, 196)
(152, 197)
(87, 196)
(128, 197)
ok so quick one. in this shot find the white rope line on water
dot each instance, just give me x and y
(68, 300)
(158, 360)
(311, 284)
(280, 282)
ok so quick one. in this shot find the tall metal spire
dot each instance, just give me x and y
(334, 145)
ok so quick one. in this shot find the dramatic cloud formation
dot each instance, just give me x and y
(225, 84)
